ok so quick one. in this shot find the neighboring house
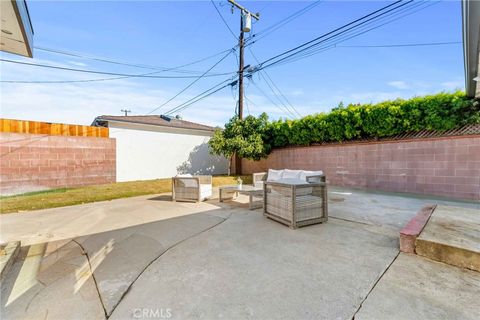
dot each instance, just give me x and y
(16, 35)
(471, 46)
(152, 147)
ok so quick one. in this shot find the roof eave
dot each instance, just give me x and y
(470, 34)
(97, 119)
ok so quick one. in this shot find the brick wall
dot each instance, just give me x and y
(31, 162)
(447, 167)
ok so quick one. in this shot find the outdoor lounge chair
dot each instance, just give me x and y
(191, 188)
(295, 198)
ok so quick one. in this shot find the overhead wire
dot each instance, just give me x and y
(272, 28)
(105, 72)
(285, 111)
(202, 95)
(130, 64)
(266, 77)
(193, 82)
(332, 43)
(142, 75)
(402, 45)
(223, 19)
(333, 40)
(314, 42)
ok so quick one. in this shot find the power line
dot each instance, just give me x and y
(129, 64)
(106, 73)
(202, 95)
(193, 82)
(263, 33)
(111, 78)
(402, 45)
(223, 19)
(268, 78)
(365, 29)
(282, 108)
(313, 41)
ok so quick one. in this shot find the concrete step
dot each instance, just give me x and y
(452, 236)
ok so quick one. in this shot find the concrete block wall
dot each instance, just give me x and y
(448, 167)
(32, 162)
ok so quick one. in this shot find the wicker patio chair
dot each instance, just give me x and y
(259, 178)
(191, 188)
(297, 203)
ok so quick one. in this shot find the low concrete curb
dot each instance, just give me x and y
(7, 257)
(409, 234)
(452, 236)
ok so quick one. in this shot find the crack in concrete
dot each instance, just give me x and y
(353, 221)
(93, 277)
(159, 256)
(375, 284)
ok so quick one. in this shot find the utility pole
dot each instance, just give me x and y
(126, 111)
(241, 44)
(245, 26)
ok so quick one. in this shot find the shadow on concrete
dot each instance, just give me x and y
(200, 161)
(165, 197)
(85, 262)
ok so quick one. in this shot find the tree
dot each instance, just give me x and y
(246, 138)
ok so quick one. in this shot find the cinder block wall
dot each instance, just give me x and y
(31, 162)
(447, 167)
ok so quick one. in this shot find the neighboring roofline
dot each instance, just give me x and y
(470, 33)
(150, 124)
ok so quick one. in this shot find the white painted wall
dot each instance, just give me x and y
(150, 152)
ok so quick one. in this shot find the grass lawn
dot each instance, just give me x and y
(72, 196)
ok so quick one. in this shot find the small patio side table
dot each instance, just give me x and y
(255, 194)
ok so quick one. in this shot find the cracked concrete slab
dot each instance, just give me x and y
(418, 288)
(50, 286)
(119, 257)
(75, 221)
(252, 267)
(246, 267)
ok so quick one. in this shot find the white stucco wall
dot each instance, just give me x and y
(149, 152)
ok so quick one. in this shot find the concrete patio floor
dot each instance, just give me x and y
(152, 257)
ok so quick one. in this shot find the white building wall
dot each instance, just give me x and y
(143, 154)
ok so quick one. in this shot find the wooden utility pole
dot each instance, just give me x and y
(240, 69)
(241, 45)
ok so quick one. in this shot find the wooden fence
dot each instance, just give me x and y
(55, 129)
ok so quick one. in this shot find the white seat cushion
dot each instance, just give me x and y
(291, 174)
(188, 183)
(205, 191)
(291, 181)
(305, 173)
(274, 175)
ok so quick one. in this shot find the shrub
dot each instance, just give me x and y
(253, 138)
(438, 112)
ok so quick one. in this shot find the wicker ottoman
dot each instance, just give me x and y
(296, 205)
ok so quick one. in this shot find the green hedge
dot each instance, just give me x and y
(438, 112)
